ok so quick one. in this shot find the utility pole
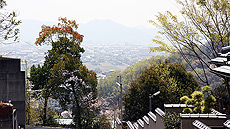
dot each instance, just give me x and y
(150, 99)
(119, 84)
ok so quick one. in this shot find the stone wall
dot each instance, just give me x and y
(12, 86)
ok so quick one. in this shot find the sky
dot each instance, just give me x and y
(131, 13)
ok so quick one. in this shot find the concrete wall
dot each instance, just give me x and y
(177, 108)
(9, 121)
(152, 120)
(159, 117)
(12, 86)
(146, 122)
(9, 64)
(186, 123)
(152, 124)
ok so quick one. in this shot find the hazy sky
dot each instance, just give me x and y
(130, 13)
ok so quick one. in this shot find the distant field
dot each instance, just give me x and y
(105, 67)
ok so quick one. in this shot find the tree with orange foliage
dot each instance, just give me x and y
(69, 80)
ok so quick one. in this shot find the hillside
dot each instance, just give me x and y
(109, 90)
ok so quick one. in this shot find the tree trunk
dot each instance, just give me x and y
(77, 114)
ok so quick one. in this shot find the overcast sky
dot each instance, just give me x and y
(131, 13)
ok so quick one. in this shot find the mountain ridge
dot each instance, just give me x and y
(96, 31)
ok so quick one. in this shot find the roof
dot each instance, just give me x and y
(227, 123)
(135, 125)
(152, 116)
(200, 125)
(177, 105)
(140, 122)
(146, 119)
(225, 50)
(222, 71)
(219, 60)
(160, 112)
(130, 125)
(220, 116)
(7, 58)
(216, 112)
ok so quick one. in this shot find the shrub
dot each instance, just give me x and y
(187, 110)
(171, 120)
(201, 105)
(184, 99)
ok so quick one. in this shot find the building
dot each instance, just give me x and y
(12, 86)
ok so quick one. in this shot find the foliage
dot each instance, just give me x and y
(68, 79)
(39, 77)
(200, 36)
(206, 89)
(50, 119)
(107, 87)
(102, 123)
(171, 120)
(201, 105)
(222, 98)
(213, 79)
(184, 99)
(34, 116)
(8, 24)
(187, 110)
(171, 79)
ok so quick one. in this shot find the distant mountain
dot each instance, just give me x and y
(96, 31)
(107, 31)
(29, 29)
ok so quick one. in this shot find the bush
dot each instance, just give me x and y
(184, 99)
(187, 110)
(201, 105)
(206, 89)
(197, 95)
(171, 120)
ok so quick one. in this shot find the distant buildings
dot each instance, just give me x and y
(101, 58)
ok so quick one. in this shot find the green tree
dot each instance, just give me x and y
(222, 99)
(102, 123)
(200, 36)
(69, 81)
(201, 105)
(39, 77)
(107, 87)
(34, 112)
(8, 24)
(171, 79)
